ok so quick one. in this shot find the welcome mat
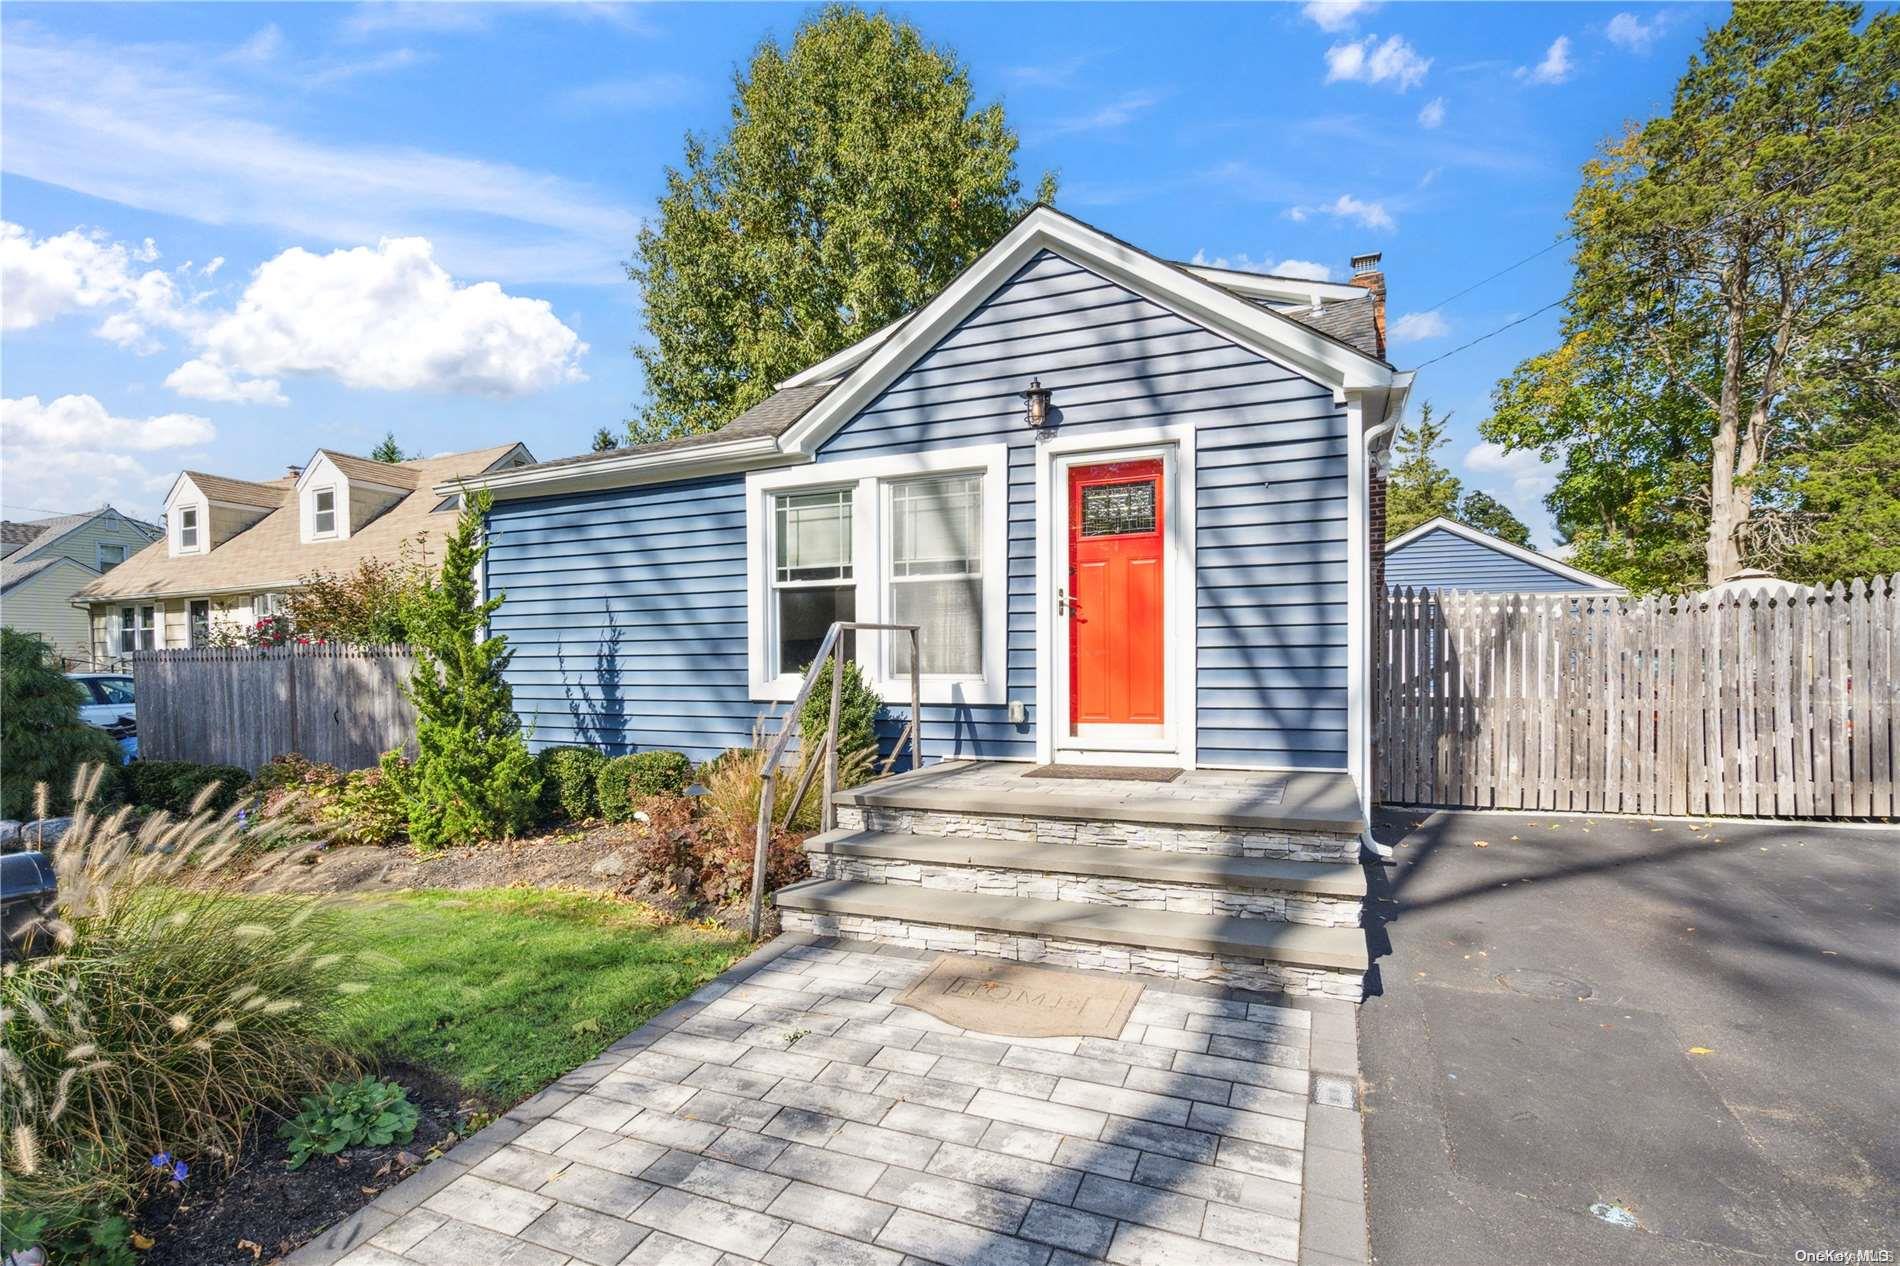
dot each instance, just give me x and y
(1120, 773)
(1017, 1001)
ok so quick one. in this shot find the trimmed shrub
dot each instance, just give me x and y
(858, 710)
(624, 779)
(568, 776)
(661, 773)
(40, 730)
(174, 784)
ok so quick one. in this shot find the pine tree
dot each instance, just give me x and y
(1419, 488)
(472, 778)
(605, 440)
(387, 451)
(40, 730)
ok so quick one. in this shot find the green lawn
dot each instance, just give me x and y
(504, 990)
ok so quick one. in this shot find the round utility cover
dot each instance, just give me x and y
(1545, 984)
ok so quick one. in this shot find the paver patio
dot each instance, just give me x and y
(791, 1113)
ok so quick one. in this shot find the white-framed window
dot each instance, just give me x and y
(813, 582)
(917, 538)
(187, 527)
(936, 572)
(267, 604)
(110, 555)
(138, 629)
(323, 512)
(200, 622)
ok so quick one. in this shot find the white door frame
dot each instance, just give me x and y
(1055, 455)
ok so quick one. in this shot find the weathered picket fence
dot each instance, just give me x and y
(339, 704)
(1781, 705)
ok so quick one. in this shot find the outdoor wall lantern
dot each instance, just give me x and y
(1036, 405)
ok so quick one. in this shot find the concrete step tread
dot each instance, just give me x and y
(1327, 879)
(1296, 944)
(1305, 800)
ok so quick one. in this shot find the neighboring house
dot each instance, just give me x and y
(1175, 571)
(1443, 554)
(44, 562)
(232, 549)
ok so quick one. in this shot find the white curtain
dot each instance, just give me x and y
(936, 572)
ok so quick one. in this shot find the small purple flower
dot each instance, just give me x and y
(180, 1171)
(162, 1161)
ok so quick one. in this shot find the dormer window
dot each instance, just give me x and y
(188, 528)
(323, 512)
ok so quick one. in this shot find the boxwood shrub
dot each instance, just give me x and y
(568, 776)
(174, 784)
(625, 778)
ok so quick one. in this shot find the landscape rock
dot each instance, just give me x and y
(612, 864)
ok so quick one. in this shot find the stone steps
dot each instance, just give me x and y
(1261, 954)
(1327, 894)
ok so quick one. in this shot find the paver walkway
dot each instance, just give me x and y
(790, 1113)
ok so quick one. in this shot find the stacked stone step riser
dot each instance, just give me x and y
(1233, 973)
(1284, 906)
(1288, 845)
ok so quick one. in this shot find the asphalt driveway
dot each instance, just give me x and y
(1693, 1031)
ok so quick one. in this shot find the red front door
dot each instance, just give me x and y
(1116, 608)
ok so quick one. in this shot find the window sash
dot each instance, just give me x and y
(935, 554)
(188, 528)
(148, 628)
(110, 555)
(128, 630)
(323, 512)
(812, 537)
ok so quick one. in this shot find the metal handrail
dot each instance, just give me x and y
(768, 772)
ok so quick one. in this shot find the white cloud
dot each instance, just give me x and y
(1370, 61)
(1432, 113)
(149, 127)
(203, 379)
(415, 15)
(1556, 66)
(1416, 327)
(1333, 16)
(1521, 477)
(1117, 113)
(1371, 215)
(73, 453)
(43, 279)
(1305, 269)
(261, 48)
(388, 318)
(1628, 31)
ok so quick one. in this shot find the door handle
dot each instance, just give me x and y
(1065, 605)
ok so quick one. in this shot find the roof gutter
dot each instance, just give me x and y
(634, 467)
(83, 599)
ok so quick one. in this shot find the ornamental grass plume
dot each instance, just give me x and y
(164, 1009)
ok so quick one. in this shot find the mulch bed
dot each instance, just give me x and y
(261, 1210)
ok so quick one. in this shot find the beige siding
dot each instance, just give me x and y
(42, 605)
(228, 521)
(367, 504)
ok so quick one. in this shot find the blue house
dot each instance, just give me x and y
(1124, 499)
(1444, 554)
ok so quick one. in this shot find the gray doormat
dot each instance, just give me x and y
(1012, 1000)
(1120, 773)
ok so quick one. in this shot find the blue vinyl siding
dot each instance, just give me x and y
(627, 608)
(627, 614)
(1270, 496)
(1444, 560)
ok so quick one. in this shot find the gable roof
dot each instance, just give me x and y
(1555, 567)
(33, 535)
(241, 492)
(789, 425)
(12, 573)
(271, 556)
(370, 471)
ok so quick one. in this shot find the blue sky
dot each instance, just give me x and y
(235, 232)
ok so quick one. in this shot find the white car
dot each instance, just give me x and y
(108, 699)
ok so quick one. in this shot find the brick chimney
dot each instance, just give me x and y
(1366, 273)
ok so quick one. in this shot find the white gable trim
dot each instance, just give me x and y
(1502, 546)
(1258, 329)
(1279, 289)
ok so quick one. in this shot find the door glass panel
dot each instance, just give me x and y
(1118, 509)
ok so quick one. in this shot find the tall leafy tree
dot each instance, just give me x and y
(40, 730)
(858, 177)
(1418, 486)
(1735, 287)
(1485, 512)
(472, 778)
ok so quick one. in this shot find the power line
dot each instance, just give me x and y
(1567, 235)
(1494, 333)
